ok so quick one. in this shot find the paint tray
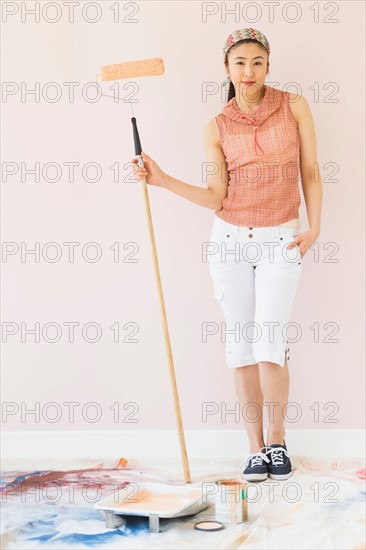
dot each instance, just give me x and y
(154, 500)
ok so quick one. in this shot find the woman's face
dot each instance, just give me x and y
(247, 63)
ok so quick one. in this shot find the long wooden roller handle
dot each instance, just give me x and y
(173, 381)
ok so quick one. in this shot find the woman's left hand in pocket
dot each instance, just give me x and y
(304, 241)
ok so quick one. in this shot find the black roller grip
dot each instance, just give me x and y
(136, 137)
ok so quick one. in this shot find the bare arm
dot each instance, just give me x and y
(214, 170)
(310, 173)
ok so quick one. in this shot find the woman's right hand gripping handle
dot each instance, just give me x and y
(151, 171)
(155, 176)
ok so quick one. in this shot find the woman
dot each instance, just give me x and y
(260, 142)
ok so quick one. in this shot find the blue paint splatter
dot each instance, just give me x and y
(346, 503)
(45, 530)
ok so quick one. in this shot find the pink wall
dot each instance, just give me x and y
(326, 364)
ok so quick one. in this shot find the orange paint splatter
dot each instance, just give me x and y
(146, 499)
(122, 463)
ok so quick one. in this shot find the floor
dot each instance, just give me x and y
(322, 506)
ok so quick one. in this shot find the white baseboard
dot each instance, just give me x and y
(47, 449)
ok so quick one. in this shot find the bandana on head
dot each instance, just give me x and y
(241, 34)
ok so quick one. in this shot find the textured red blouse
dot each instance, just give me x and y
(262, 151)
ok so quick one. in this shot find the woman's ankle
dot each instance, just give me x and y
(255, 447)
(276, 438)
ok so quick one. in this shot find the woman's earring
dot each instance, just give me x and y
(226, 81)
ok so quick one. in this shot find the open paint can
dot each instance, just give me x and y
(209, 525)
(231, 502)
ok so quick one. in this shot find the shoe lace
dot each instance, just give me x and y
(255, 459)
(277, 455)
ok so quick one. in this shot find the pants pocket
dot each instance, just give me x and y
(287, 257)
(220, 297)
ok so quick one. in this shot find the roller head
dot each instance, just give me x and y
(133, 69)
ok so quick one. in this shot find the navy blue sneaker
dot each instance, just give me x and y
(279, 466)
(255, 466)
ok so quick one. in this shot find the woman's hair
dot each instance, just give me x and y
(231, 92)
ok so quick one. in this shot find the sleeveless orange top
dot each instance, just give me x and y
(262, 151)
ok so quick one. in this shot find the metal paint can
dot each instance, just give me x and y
(231, 501)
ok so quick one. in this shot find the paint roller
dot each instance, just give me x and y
(135, 69)
(132, 69)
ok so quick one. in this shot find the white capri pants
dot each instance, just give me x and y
(255, 279)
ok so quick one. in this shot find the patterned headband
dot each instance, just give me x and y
(241, 34)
